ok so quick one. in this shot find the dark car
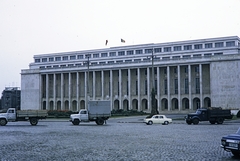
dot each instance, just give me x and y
(231, 143)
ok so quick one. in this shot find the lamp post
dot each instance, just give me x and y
(88, 62)
(154, 108)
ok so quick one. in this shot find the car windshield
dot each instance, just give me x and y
(198, 112)
(238, 132)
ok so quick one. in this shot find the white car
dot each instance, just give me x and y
(158, 119)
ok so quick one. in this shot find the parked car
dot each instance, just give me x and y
(158, 119)
(231, 143)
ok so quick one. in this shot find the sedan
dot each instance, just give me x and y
(231, 143)
(158, 119)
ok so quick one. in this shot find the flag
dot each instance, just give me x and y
(106, 42)
(123, 41)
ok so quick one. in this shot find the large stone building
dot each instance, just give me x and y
(11, 97)
(187, 75)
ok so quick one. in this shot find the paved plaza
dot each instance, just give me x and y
(121, 139)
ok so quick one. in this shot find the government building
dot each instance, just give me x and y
(186, 75)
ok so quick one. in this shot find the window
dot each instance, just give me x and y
(176, 86)
(102, 62)
(95, 55)
(218, 44)
(93, 63)
(119, 61)
(187, 47)
(148, 51)
(65, 57)
(186, 69)
(37, 60)
(186, 56)
(186, 89)
(121, 53)
(51, 59)
(165, 86)
(218, 53)
(44, 59)
(130, 52)
(146, 89)
(110, 62)
(103, 54)
(197, 55)
(175, 70)
(112, 53)
(55, 66)
(207, 54)
(58, 59)
(138, 51)
(165, 58)
(197, 85)
(80, 56)
(198, 46)
(157, 50)
(208, 45)
(167, 49)
(88, 56)
(197, 69)
(128, 60)
(70, 65)
(62, 66)
(165, 70)
(176, 57)
(137, 60)
(230, 43)
(177, 48)
(136, 87)
(72, 57)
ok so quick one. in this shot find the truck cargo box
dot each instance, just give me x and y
(99, 108)
(32, 113)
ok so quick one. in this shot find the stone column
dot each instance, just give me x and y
(149, 90)
(94, 87)
(78, 92)
(62, 94)
(158, 90)
(102, 75)
(179, 88)
(129, 90)
(47, 91)
(54, 92)
(201, 87)
(120, 88)
(69, 90)
(168, 88)
(111, 88)
(190, 87)
(139, 90)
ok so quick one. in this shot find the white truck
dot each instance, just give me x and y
(98, 111)
(13, 115)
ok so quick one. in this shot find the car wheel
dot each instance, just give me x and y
(195, 121)
(150, 122)
(235, 153)
(165, 123)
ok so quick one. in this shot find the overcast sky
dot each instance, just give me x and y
(31, 27)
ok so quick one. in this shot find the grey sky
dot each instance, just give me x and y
(30, 27)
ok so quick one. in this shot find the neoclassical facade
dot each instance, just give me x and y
(186, 75)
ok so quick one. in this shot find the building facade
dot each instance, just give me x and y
(186, 75)
(11, 97)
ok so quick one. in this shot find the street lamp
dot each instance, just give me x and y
(88, 62)
(153, 93)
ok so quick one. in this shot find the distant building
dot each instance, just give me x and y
(11, 97)
(187, 75)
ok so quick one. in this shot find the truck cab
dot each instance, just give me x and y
(10, 115)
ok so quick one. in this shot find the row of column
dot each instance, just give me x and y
(112, 97)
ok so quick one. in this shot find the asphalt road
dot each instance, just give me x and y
(121, 139)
